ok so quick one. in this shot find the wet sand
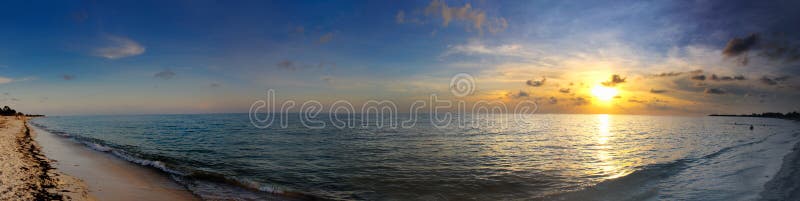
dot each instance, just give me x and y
(108, 177)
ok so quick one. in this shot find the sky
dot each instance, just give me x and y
(147, 57)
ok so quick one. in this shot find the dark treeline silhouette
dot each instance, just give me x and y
(789, 115)
(7, 111)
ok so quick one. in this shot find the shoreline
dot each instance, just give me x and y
(26, 174)
(784, 186)
(108, 177)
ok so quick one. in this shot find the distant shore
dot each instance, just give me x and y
(26, 174)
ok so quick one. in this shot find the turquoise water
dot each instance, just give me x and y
(569, 157)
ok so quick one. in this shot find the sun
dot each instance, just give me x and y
(604, 93)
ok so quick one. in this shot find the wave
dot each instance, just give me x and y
(642, 184)
(206, 185)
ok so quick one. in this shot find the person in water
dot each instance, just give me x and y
(751, 127)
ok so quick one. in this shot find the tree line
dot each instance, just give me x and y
(789, 115)
(7, 111)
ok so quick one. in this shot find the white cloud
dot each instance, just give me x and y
(6, 80)
(476, 47)
(119, 47)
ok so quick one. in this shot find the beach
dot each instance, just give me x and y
(785, 186)
(41, 166)
(25, 174)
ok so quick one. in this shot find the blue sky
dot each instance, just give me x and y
(87, 57)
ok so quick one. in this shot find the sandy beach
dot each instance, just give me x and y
(108, 177)
(60, 169)
(26, 174)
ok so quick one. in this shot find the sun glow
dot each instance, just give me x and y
(604, 93)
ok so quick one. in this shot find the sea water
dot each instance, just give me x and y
(545, 157)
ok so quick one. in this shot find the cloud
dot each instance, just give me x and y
(476, 47)
(658, 91)
(698, 77)
(578, 101)
(400, 17)
(475, 17)
(520, 94)
(4, 80)
(326, 38)
(327, 79)
(768, 81)
(772, 80)
(781, 49)
(166, 74)
(737, 46)
(299, 30)
(294, 66)
(286, 64)
(119, 47)
(773, 47)
(714, 91)
(68, 77)
(564, 90)
(214, 85)
(674, 74)
(536, 83)
(727, 78)
(552, 100)
(615, 79)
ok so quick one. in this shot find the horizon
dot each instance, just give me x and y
(577, 57)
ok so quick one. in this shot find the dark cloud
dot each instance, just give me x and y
(772, 80)
(714, 91)
(286, 64)
(768, 81)
(536, 83)
(658, 91)
(214, 85)
(166, 74)
(68, 77)
(615, 79)
(727, 78)
(294, 66)
(564, 90)
(520, 94)
(552, 100)
(781, 49)
(578, 101)
(738, 46)
(773, 47)
(636, 101)
(327, 79)
(669, 74)
(700, 77)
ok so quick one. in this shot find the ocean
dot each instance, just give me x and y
(546, 157)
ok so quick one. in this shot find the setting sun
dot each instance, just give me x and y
(604, 93)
